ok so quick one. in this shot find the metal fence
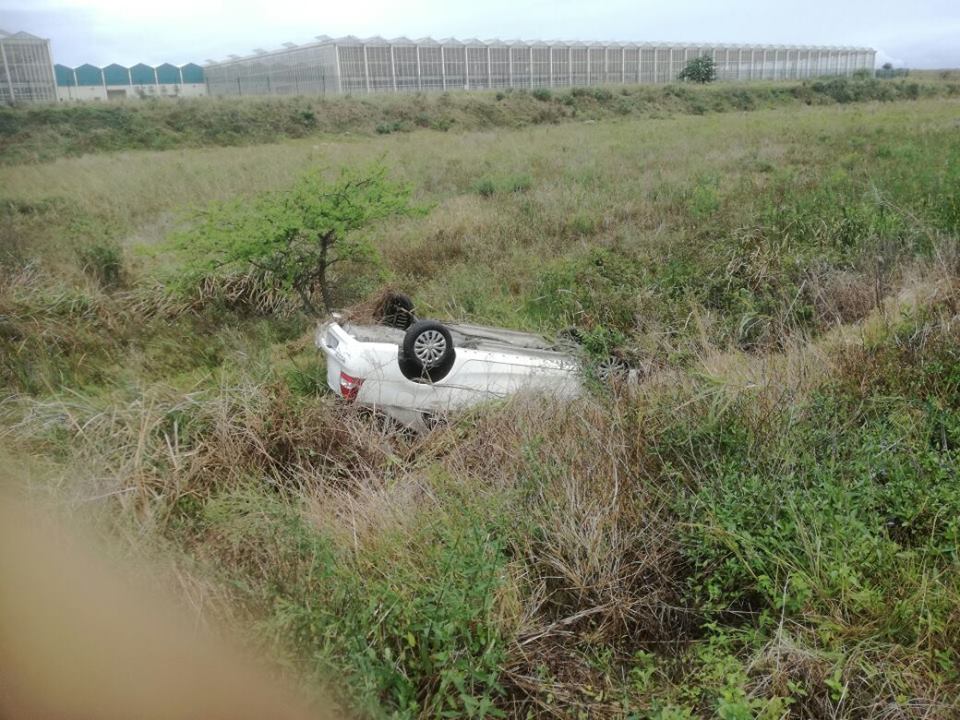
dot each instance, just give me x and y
(26, 69)
(373, 65)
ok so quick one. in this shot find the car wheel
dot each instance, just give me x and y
(427, 352)
(612, 369)
(396, 311)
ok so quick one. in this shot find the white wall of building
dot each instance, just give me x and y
(86, 93)
(82, 92)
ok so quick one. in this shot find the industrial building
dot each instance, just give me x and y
(369, 65)
(26, 69)
(118, 82)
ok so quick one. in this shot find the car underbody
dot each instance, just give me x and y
(365, 365)
(417, 371)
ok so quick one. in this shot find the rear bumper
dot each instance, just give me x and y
(328, 339)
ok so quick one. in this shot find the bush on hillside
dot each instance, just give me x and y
(40, 133)
(700, 70)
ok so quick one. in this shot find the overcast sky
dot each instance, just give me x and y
(918, 34)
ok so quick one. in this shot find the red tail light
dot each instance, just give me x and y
(349, 386)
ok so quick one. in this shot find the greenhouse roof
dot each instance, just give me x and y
(351, 40)
(4, 35)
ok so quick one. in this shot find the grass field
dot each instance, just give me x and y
(767, 527)
(31, 134)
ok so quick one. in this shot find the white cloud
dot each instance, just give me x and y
(918, 34)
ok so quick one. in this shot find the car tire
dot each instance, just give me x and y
(612, 369)
(427, 353)
(396, 311)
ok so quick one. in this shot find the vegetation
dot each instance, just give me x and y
(37, 134)
(295, 237)
(766, 527)
(700, 70)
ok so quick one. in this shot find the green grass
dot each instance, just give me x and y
(43, 133)
(766, 527)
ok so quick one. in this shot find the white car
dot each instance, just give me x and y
(429, 370)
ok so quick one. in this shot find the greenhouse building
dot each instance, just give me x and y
(354, 65)
(26, 69)
(119, 82)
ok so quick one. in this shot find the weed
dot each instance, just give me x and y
(104, 263)
(393, 127)
(308, 379)
(442, 124)
(485, 187)
(520, 183)
(593, 290)
(419, 648)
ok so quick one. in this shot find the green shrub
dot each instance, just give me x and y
(602, 95)
(548, 114)
(295, 237)
(704, 197)
(307, 379)
(485, 187)
(409, 624)
(519, 183)
(308, 118)
(542, 94)
(488, 187)
(102, 261)
(601, 342)
(806, 513)
(392, 127)
(623, 107)
(701, 70)
(742, 99)
(598, 289)
(582, 224)
(846, 90)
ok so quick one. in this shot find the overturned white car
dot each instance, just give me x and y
(417, 371)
